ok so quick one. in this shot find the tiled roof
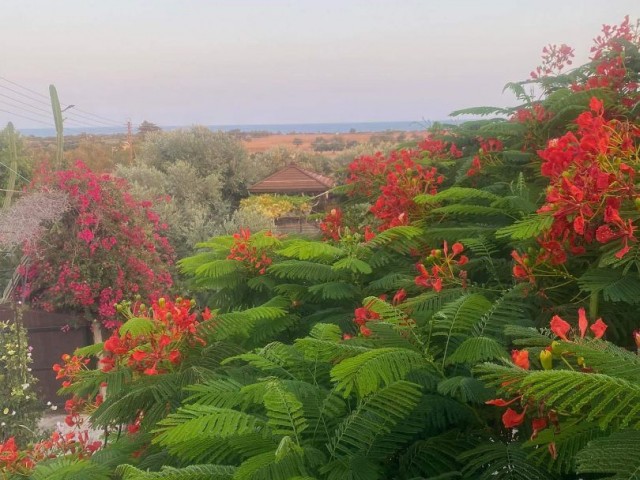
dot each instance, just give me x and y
(293, 179)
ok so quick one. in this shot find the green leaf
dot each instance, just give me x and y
(367, 372)
(137, 327)
(526, 228)
(615, 455)
(353, 264)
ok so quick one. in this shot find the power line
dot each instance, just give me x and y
(28, 118)
(25, 110)
(70, 116)
(48, 112)
(98, 118)
(14, 171)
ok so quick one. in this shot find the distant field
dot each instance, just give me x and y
(304, 141)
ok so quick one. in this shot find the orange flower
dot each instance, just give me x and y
(598, 328)
(512, 419)
(499, 402)
(399, 296)
(582, 322)
(560, 327)
(520, 358)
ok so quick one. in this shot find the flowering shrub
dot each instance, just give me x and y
(444, 266)
(399, 178)
(106, 245)
(592, 176)
(308, 370)
(252, 257)
(19, 406)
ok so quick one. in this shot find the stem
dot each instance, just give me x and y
(593, 306)
(566, 363)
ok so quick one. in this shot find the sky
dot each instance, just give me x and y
(221, 62)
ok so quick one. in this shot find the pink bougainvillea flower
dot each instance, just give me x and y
(560, 327)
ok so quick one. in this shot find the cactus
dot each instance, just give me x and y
(57, 117)
(13, 171)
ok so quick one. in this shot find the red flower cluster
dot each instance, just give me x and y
(21, 462)
(445, 266)
(562, 328)
(512, 418)
(590, 179)
(331, 226)
(156, 351)
(608, 54)
(554, 59)
(108, 244)
(362, 316)
(404, 181)
(397, 179)
(252, 257)
(487, 148)
(70, 368)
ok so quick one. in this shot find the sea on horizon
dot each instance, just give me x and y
(288, 128)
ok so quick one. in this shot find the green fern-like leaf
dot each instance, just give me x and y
(477, 349)
(615, 456)
(596, 397)
(353, 264)
(191, 472)
(456, 194)
(285, 411)
(308, 250)
(500, 461)
(304, 270)
(435, 457)
(526, 228)
(68, 468)
(614, 284)
(137, 327)
(192, 422)
(568, 440)
(367, 372)
(375, 415)
(464, 389)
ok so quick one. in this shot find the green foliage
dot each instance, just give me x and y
(373, 356)
(20, 409)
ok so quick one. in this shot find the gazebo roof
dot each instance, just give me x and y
(293, 179)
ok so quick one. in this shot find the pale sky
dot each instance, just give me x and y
(182, 62)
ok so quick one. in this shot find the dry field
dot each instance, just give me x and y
(261, 144)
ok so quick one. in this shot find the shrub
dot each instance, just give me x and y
(19, 406)
(105, 245)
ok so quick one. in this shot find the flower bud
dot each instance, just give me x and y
(636, 338)
(580, 361)
(161, 302)
(555, 348)
(546, 359)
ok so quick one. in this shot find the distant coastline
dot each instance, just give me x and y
(289, 128)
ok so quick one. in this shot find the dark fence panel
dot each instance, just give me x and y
(298, 225)
(49, 342)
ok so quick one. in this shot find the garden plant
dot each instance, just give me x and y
(479, 321)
